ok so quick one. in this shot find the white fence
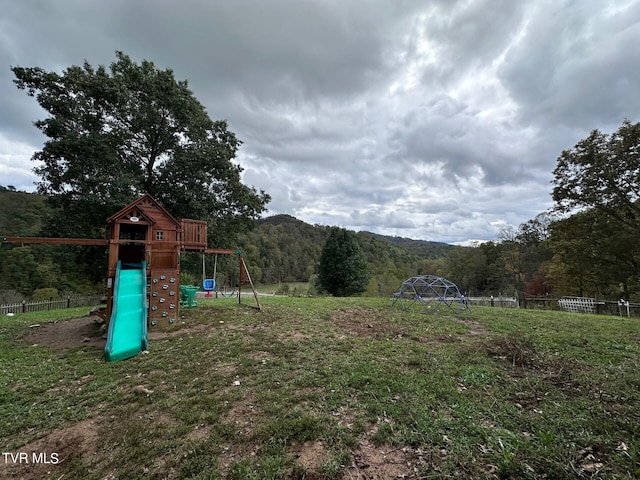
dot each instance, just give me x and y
(578, 304)
(70, 302)
(621, 308)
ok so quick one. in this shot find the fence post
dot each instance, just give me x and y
(68, 302)
(24, 306)
(623, 303)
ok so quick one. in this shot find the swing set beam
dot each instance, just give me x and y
(245, 278)
(221, 251)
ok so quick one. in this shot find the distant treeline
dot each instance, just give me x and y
(578, 255)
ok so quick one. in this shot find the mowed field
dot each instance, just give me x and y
(314, 388)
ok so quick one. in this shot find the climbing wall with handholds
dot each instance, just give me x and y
(164, 298)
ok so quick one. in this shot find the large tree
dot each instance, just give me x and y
(598, 183)
(115, 133)
(343, 270)
(602, 172)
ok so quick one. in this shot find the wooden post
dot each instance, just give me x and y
(240, 279)
(245, 277)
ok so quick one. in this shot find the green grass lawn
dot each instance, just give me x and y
(294, 289)
(312, 388)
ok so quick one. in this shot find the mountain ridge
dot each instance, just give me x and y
(405, 242)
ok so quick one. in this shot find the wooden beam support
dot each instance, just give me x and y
(220, 251)
(56, 241)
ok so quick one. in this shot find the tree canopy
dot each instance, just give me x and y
(600, 178)
(343, 269)
(116, 133)
(602, 172)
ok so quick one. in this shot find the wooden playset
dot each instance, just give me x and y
(144, 237)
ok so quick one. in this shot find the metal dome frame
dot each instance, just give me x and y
(431, 292)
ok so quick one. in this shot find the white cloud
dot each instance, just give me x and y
(16, 164)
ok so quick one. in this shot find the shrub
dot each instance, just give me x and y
(186, 279)
(44, 294)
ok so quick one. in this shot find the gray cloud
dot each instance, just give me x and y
(439, 120)
(577, 64)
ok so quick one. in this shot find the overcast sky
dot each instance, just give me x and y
(438, 120)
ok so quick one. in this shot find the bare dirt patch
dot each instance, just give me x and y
(58, 447)
(368, 461)
(518, 351)
(379, 462)
(181, 329)
(260, 356)
(311, 456)
(89, 331)
(363, 322)
(224, 369)
(68, 334)
(519, 355)
(366, 323)
(382, 462)
(200, 432)
(475, 328)
(293, 336)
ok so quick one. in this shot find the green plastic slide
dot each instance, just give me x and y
(127, 334)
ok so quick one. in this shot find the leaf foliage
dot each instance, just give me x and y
(118, 132)
(343, 270)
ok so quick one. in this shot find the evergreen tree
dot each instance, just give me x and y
(343, 270)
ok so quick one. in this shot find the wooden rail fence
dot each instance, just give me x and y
(498, 301)
(69, 302)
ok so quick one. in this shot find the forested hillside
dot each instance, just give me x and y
(21, 213)
(429, 250)
(285, 249)
(26, 268)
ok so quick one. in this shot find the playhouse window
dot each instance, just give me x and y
(159, 235)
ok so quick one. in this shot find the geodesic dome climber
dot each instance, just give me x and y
(431, 293)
